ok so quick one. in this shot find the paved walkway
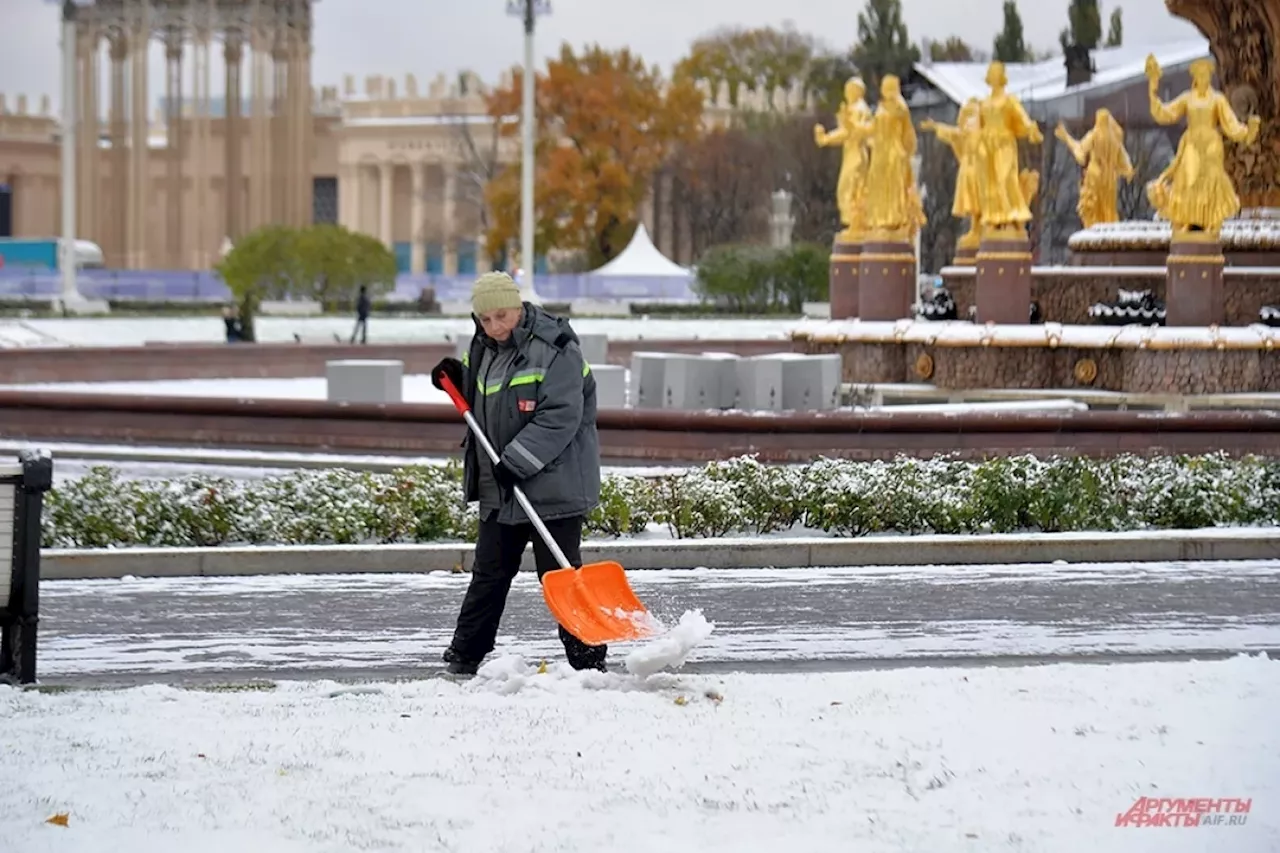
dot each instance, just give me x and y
(362, 626)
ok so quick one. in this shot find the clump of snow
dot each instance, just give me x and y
(673, 648)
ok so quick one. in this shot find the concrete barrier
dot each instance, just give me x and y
(365, 381)
(648, 379)
(611, 386)
(1005, 549)
(595, 348)
(699, 382)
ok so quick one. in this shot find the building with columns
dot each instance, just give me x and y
(412, 167)
(167, 180)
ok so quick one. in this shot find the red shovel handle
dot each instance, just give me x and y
(459, 401)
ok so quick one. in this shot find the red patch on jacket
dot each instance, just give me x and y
(527, 405)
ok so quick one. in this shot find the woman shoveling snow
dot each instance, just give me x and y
(529, 399)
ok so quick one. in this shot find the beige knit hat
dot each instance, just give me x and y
(494, 291)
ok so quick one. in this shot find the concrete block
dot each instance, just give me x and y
(365, 381)
(699, 382)
(648, 370)
(595, 348)
(611, 385)
(811, 383)
(758, 384)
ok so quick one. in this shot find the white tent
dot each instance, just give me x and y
(642, 259)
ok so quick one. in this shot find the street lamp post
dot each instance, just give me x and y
(528, 10)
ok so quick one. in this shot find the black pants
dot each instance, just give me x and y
(361, 329)
(499, 550)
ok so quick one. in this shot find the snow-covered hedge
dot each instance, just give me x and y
(740, 496)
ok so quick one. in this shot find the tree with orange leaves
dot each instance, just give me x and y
(605, 123)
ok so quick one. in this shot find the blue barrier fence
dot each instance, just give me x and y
(182, 286)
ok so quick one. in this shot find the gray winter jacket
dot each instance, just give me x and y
(545, 430)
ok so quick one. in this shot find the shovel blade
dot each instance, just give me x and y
(596, 604)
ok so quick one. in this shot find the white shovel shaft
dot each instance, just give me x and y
(520, 496)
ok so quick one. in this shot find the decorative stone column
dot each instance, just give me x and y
(280, 208)
(886, 278)
(88, 178)
(1003, 277)
(385, 172)
(1193, 291)
(418, 205)
(358, 197)
(304, 186)
(139, 185)
(174, 146)
(233, 55)
(119, 133)
(450, 215)
(200, 254)
(842, 278)
(259, 143)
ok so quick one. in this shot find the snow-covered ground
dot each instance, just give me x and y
(991, 759)
(133, 331)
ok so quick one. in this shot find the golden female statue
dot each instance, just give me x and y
(964, 139)
(1195, 192)
(893, 209)
(849, 132)
(1006, 190)
(1105, 159)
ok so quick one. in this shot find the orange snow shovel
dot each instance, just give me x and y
(594, 603)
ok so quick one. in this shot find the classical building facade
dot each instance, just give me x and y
(166, 188)
(168, 180)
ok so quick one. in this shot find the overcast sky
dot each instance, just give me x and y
(425, 37)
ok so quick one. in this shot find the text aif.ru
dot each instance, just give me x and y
(1202, 811)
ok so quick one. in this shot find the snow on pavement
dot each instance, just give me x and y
(995, 759)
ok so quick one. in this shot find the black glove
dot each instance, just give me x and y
(505, 476)
(450, 367)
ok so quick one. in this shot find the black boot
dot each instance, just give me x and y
(458, 665)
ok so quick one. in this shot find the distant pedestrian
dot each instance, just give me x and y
(231, 320)
(363, 305)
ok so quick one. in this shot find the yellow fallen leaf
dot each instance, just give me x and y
(680, 700)
(542, 668)
(59, 819)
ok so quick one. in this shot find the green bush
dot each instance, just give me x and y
(761, 280)
(739, 496)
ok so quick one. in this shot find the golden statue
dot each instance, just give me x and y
(849, 132)
(964, 140)
(1102, 154)
(894, 211)
(1006, 190)
(1195, 192)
